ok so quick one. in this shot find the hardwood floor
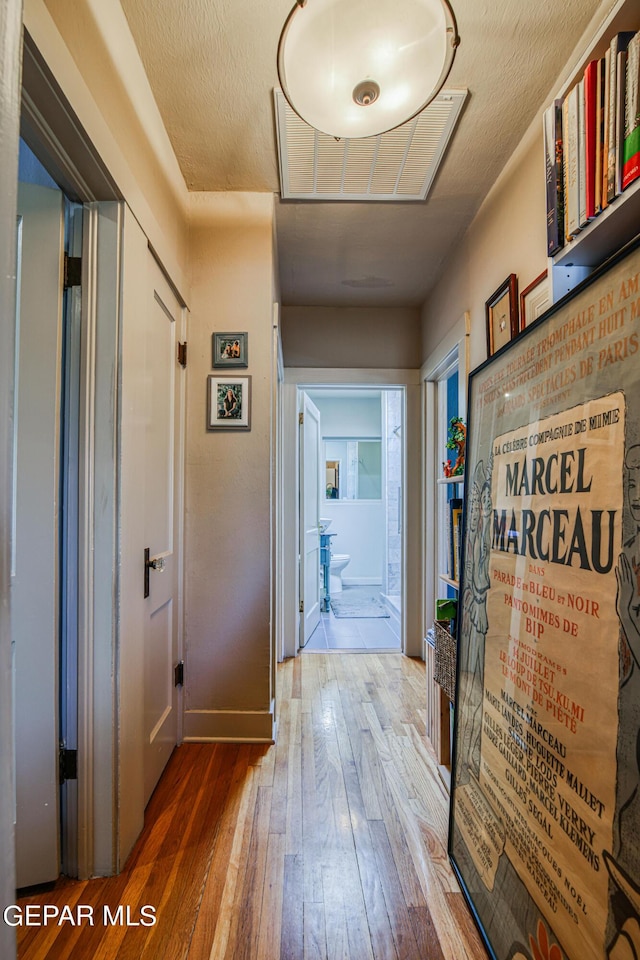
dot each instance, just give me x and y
(330, 844)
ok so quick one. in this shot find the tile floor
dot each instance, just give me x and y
(352, 633)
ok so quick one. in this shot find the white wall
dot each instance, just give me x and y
(359, 529)
(353, 417)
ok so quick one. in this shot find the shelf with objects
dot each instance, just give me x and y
(592, 153)
(441, 637)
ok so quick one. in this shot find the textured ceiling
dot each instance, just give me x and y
(212, 68)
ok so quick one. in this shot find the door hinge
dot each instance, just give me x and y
(68, 764)
(182, 354)
(301, 608)
(72, 271)
(178, 674)
(301, 418)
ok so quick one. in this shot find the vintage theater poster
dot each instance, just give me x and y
(545, 815)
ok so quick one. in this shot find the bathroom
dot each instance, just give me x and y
(361, 458)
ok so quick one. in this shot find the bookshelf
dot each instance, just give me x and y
(445, 379)
(445, 532)
(442, 705)
(619, 222)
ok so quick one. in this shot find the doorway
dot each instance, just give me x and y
(45, 517)
(359, 472)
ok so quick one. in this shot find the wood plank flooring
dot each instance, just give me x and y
(329, 845)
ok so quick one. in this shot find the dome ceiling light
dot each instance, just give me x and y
(358, 68)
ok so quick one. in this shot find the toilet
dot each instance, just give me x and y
(338, 563)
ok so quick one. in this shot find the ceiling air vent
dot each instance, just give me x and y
(398, 165)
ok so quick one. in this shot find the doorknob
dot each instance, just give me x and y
(156, 564)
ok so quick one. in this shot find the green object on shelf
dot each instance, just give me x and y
(446, 609)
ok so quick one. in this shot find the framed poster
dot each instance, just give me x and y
(228, 403)
(545, 805)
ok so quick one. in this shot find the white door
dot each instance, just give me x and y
(162, 433)
(310, 486)
(34, 585)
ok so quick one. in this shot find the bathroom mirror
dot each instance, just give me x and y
(332, 479)
(353, 469)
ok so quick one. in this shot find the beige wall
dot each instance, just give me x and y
(507, 236)
(355, 337)
(90, 51)
(228, 476)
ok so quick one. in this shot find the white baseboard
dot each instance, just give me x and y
(229, 726)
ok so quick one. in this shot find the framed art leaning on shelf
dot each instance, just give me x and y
(502, 315)
(534, 300)
(545, 811)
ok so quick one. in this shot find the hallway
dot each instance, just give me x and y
(331, 844)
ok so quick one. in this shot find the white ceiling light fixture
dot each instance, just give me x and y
(358, 68)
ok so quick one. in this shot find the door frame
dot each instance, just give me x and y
(11, 25)
(297, 379)
(55, 134)
(452, 352)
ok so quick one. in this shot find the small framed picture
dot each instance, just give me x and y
(230, 350)
(502, 315)
(534, 300)
(228, 403)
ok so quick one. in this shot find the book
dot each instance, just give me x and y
(599, 132)
(602, 131)
(582, 158)
(616, 58)
(631, 149)
(552, 129)
(455, 520)
(621, 73)
(457, 542)
(589, 143)
(571, 163)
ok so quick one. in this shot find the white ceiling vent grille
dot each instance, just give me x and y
(398, 165)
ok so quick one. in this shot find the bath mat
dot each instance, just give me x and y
(362, 606)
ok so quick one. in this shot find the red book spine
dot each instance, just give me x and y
(590, 84)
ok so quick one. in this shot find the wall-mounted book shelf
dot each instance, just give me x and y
(451, 583)
(615, 226)
(615, 220)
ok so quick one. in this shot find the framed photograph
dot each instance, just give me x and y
(545, 785)
(502, 315)
(228, 403)
(534, 300)
(230, 350)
